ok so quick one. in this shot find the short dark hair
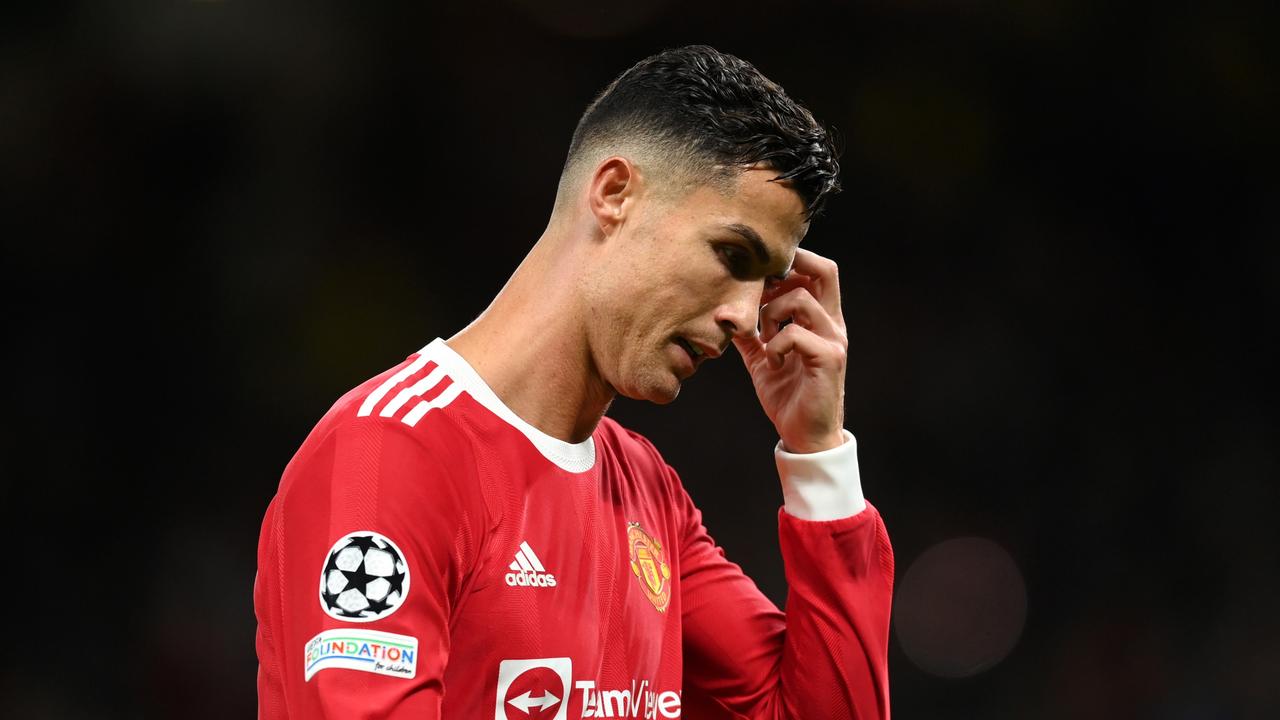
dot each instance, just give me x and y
(705, 111)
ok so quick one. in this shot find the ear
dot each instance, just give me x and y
(612, 192)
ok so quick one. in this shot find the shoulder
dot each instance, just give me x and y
(626, 442)
(653, 476)
(641, 459)
(392, 435)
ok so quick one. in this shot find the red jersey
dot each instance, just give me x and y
(429, 554)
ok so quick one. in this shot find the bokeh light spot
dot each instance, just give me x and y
(960, 607)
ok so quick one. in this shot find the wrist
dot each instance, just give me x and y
(822, 485)
(803, 446)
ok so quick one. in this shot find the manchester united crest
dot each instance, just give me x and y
(649, 563)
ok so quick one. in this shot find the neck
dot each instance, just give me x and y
(529, 346)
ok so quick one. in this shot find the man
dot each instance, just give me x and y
(467, 536)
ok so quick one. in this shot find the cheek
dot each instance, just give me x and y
(657, 289)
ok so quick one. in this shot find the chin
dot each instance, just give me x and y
(664, 397)
(657, 390)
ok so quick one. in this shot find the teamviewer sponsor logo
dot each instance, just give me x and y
(637, 701)
(539, 689)
(536, 689)
(527, 570)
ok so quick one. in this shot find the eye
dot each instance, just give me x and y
(735, 259)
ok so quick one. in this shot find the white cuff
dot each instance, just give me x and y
(823, 485)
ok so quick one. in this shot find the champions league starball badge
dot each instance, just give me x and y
(365, 578)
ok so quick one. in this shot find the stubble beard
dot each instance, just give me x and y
(653, 381)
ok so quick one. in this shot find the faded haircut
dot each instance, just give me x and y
(698, 116)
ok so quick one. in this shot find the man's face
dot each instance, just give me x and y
(677, 284)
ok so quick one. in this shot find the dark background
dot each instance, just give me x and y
(1058, 247)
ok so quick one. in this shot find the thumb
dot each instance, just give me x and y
(750, 348)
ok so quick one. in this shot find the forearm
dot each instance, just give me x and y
(827, 655)
(835, 659)
(839, 566)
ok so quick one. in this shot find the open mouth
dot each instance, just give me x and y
(694, 352)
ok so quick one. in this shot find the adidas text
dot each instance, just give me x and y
(531, 579)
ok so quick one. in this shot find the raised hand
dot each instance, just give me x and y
(797, 361)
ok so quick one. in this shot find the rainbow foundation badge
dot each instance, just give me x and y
(648, 562)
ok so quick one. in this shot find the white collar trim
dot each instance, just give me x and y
(571, 457)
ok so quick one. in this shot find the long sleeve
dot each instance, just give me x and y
(827, 656)
(373, 518)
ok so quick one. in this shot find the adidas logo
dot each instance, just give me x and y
(527, 570)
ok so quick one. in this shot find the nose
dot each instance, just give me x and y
(739, 314)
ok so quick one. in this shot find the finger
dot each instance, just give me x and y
(792, 281)
(811, 348)
(750, 348)
(825, 277)
(797, 306)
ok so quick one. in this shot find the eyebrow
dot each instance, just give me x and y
(761, 250)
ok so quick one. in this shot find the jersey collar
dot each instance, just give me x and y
(571, 457)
